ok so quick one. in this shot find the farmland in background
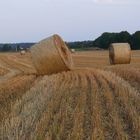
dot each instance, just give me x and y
(94, 101)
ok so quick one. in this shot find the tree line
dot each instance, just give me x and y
(107, 38)
(101, 42)
(12, 47)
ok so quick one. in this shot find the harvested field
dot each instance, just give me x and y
(100, 59)
(12, 90)
(95, 101)
(3, 71)
(22, 64)
(130, 74)
(96, 104)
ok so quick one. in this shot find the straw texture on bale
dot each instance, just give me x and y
(51, 55)
(120, 53)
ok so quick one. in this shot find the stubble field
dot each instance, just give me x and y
(94, 101)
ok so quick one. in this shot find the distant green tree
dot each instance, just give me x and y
(107, 38)
(123, 37)
(6, 48)
(136, 40)
(104, 40)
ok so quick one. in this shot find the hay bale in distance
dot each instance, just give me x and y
(120, 53)
(73, 50)
(51, 55)
(22, 52)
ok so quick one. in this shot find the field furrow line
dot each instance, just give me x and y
(130, 112)
(112, 111)
(96, 115)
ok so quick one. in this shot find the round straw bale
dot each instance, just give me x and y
(73, 50)
(120, 53)
(51, 55)
(22, 52)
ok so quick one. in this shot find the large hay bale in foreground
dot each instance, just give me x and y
(51, 55)
(120, 53)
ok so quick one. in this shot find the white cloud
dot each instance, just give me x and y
(116, 1)
(98, 2)
(102, 1)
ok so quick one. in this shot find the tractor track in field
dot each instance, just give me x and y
(11, 71)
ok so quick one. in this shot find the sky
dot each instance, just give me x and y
(74, 20)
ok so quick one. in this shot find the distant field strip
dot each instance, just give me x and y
(100, 59)
(19, 64)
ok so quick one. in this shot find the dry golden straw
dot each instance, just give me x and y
(120, 53)
(51, 55)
